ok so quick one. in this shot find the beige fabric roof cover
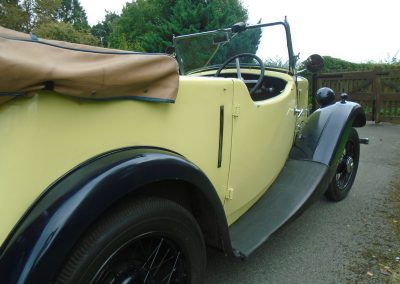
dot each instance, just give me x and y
(31, 64)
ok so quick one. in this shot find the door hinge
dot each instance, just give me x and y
(298, 112)
(229, 193)
(236, 111)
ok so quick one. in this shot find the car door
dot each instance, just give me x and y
(262, 136)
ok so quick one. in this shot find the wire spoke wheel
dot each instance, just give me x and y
(346, 169)
(149, 240)
(150, 258)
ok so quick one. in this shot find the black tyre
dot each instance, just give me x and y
(150, 240)
(346, 170)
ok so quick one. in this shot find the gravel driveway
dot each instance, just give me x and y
(353, 241)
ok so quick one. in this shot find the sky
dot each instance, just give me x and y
(353, 30)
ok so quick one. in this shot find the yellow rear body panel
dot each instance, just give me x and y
(44, 137)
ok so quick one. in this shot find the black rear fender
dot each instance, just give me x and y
(37, 247)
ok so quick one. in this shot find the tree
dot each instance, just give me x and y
(28, 15)
(45, 11)
(137, 25)
(103, 29)
(53, 19)
(12, 15)
(27, 7)
(71, 11)
(148, 25)
(225, 13)
(36, 12)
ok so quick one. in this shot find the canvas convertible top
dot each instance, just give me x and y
(29, 64)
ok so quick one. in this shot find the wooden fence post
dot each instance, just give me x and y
(377, 87)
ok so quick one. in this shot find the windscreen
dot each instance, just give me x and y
(209, 50)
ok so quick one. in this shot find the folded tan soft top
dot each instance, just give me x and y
(30, 64)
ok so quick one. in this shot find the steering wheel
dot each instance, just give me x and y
(257, 82)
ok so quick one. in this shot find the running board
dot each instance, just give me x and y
(293, 187)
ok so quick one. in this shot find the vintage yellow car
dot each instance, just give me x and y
(120, 167)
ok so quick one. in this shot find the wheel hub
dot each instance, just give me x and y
(349, 164)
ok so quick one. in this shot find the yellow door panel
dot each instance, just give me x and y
(262, 136)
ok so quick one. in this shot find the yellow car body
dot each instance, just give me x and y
(236, 154)
(47, 135)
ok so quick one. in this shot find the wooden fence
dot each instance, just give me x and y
(377, 91)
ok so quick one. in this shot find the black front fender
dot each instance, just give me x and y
(37, 247)
(322, 138)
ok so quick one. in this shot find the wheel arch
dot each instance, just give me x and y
(323, 136)
(59, 217)
(193, 199)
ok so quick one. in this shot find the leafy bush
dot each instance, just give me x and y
(65, 32)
